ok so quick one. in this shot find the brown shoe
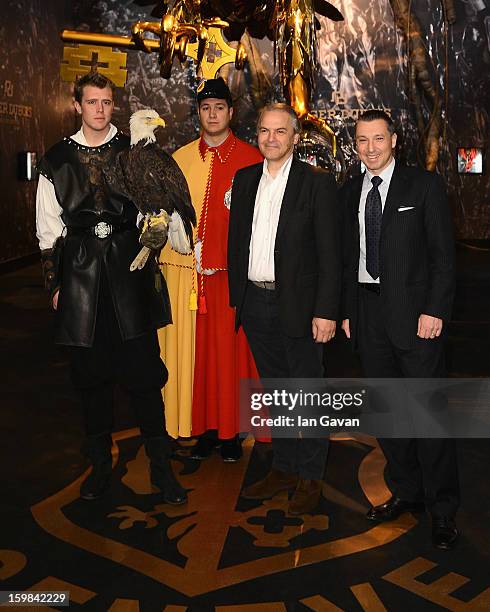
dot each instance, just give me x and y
(274, 482)
(306, 497)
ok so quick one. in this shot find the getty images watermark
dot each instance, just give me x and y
(383, 408)
(302, 403)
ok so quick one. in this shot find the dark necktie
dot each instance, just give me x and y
(372, 222)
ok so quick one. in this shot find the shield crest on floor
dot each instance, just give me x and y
(215, 540)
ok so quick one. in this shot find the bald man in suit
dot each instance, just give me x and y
(284, 269)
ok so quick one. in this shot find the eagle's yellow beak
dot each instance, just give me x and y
(157, 121)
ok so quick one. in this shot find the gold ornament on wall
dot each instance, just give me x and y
(181, 33)
(81, 59)
(194, 28)
(217, 54)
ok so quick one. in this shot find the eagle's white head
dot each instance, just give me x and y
(143, 124)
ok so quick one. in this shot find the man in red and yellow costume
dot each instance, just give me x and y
(204, 355)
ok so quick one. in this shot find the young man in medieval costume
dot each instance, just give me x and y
(205, 357)
(106, 316)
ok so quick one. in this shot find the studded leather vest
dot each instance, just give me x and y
(101, 243)
(77, 173)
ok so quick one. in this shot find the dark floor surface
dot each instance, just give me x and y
(130, 552)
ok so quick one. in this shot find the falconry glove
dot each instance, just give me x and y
(153, 237)
(155, 231)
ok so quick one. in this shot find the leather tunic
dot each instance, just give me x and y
(140, 298)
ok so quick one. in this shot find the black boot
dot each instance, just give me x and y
(161, 474)
(98, 450)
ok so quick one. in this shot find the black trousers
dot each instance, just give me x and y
(133, 364)
(279, 356)
(417, 469)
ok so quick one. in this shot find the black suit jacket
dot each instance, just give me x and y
(416, 253)
(307, 257)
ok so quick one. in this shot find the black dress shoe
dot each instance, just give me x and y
(444, 532)
(203, 448)
(231, 450)
(392, 509)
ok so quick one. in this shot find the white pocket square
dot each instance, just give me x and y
(403, 208)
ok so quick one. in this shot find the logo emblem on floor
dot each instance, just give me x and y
(217, 539)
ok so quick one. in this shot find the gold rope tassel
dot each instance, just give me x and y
(193, 300)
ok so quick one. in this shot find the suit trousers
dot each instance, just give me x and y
(133, 364)
(280, 356)
(417, 469)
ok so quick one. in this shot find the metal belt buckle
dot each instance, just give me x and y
(270, 285)
(102, 229)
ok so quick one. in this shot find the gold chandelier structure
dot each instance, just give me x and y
(183, 32)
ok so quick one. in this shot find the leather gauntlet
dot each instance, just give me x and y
(155, 231)
(51, 263)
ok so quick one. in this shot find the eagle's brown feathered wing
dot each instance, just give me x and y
(153, 181)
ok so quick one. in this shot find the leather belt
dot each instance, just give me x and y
(373, 287)
(269, 285)
(102, 229)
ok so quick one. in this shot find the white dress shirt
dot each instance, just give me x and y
(364, 276)
(49, 224)
(268, 201)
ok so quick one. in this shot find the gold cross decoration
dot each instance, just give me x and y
(81, 59)
(218, 53)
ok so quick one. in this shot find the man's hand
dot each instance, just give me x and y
(346, 327)
(55, 300)
(429, 327)
(323, 329)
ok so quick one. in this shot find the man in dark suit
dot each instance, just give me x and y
(284, 273)
(398, 293)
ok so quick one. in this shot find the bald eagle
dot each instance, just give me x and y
(155, 183)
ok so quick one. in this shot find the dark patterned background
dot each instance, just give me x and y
(364, 59)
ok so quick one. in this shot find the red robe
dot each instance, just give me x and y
(222, 355)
